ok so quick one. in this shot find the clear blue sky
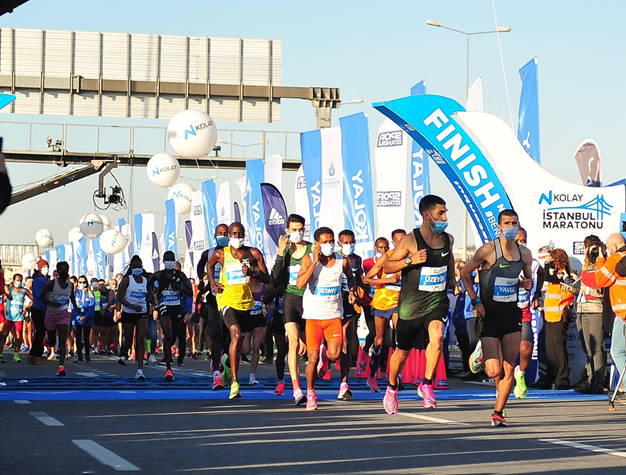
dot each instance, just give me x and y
(374, 51)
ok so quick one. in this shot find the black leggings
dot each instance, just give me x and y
(38, 317)
(83, 333)
(170, 327)
(277, 328)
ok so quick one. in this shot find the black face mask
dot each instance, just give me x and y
(63, 274)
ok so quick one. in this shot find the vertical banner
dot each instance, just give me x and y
(155, 251)
(311, 151)
(420, 168)
(358, 204)
(60, 257)
(255, 175)
(391, 166)
(223, 204)
(81, 256)
(48, 258)
(301, 198)
(145, 252)
(331, 209)
(188, 267)
(69, 257)
(528, 125)
(169, 233)
(117, 264)
(237, 212)
(274, 171)
(52, 256)
(209, 197)
(241, 184)
(124, 228)
(100, 258)
(589, 163)
(199, 243)
(275, 220)
(137, 234)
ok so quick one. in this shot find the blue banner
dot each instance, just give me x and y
(169, 233)
(122, 224)
(358, 201)
(155, 252)
(420, 167)
(188, 236)
(100, 258)
(237, 212)
(311, 151)
(275, 211)
(137, 235)
(430, 121)
(60, 255)
(255, 175)
(80, 256)
(209, 198)
(528, 124)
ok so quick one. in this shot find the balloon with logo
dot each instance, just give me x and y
(74, 234)
(181, 194)
(29, 261)
(91, 225)
(112, 241)
(192, 134)
(44, 238)
(106, 222)
(163, 170)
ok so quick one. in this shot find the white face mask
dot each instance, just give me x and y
(95, 285)
(296, 237)
(327, 249)
(236, 242)
(17, 283)
(169, 265)
(82, 285)
(347, 249)
(45, 270)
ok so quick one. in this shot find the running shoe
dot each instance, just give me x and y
(311, 402)
(169, 376)
(363, 361)
(217, 383)
(139, 375)
(80, 361)
(323, 363)
(75, 358)
(373, 385)
(152, 359)
(227, 375)
(299, 397)
(16, 358)
(234, 391)
(476, 358)
(344, 392)
(280, 389)
(498, 420)
(425, 391)
(122, 360)
(520, 384)
(252, 380)
(61, 371)
(31, 360)
(87, 359)
(390, 401)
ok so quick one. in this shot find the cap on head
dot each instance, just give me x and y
(41, 263)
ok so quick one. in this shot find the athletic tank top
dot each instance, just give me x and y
(322, 298)
(136, 295)
(98, 296)
(386, 295)
(169, 299)
(17, 303)
(258, 301)
(423, 286)
(499, 285)
(237, 291)
(217, 269)
(294, 269)
(60, 295)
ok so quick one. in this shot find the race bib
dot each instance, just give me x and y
(523, 298)
(433, 279)
(257, 309)
(171, 297)
(372, 291)
(344, 283)
(17, 306)
(395, 287)
(138, 295)
(326, 289)
(234, 275)
(216, 274)
(63, 300)
(505, 289)
(293, 274)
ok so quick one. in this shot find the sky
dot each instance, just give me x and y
(373, 51)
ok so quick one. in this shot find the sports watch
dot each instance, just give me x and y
(408, 261)
(475, 301)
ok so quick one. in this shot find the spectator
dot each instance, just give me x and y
(83, 316)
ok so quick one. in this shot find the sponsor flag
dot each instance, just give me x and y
(100, 258)
(358, 204)
(475, 101)
(145, 252)
(589, 163)
(137, 236)
(124, 228)
(311, 151)
(528, 125)
(197, 226)
(155, 251)
(169, 234)
(209, 197)
(81, 256)
(241, 183)
(420, 167)
(60, 257)
(391, 165)
(223, 204)
(237, 212)
(331, 208)
(302, 201)
(275, 220)
(255, 175)
(188, 268)
(274, 170)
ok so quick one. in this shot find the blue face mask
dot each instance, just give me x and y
(510, 233)
(438, 226)
(137, 271)
(222, 241)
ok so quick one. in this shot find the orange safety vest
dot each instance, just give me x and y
(607, 277)
(555, 301)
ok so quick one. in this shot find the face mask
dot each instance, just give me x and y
(327, 249)
(510, 233)
(82, 285)
(45, 270)
(296, 237)
(439, 226)
(113, 287)
(169, 265)
(64, 274)
(95, 286)
(137, 271)
(17, 283)
(347, 249)
(236, 242)
(222, 241)
(378, 255)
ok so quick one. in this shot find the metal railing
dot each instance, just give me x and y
(11, 254)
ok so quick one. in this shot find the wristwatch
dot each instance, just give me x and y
(408, 261)
(475, 301)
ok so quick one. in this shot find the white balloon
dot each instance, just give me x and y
(74, 234)
(112, 241)
(181, 194)
(44, 238)
(91, 225)
(29, 261)
(106, 222)
(163, 170)
(192, 134)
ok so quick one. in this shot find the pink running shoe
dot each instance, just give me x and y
(373, 385)
(390, 401)
(311, 401)
(363, 361)
(280, 389)
(323, 363)
(425, 391)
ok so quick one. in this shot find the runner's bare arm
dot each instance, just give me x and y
(186, 285)
(216, 258)
(396, 262)
(347, 270)
(306, 271)
(528, 269)
(261, 275)
(371, 279)
(451, 274)
(474, 263)
(72, 296)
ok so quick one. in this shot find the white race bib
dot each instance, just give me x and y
(171, 297)
(293, 274)
(327, 289)
(433, 279)
(234, 275)
(505, 289)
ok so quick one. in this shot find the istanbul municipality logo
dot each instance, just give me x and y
(331, 169)
(572, 211)
(301, 183)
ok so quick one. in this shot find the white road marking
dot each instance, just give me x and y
(105, 456)
(88, 374)
(46, 419)
(590, 448)
(432, 419)
(22, 401)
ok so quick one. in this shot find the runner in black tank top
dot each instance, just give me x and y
(501, 261)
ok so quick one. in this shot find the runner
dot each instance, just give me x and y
(427, 263)
(234, 293)
(167, 287)
(273, 299)
(57, 294)
(321, 278)
(14, 315)
(291, 250)
(133, 295)
(500, 261)
(38, 312)
(254, 335)
(385, 303)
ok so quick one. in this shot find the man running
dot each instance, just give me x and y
(291, 250)
(234, 293)
(500, 261)
(321, 278)
(427, 263)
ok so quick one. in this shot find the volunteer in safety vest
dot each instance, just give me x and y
(610, 273)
